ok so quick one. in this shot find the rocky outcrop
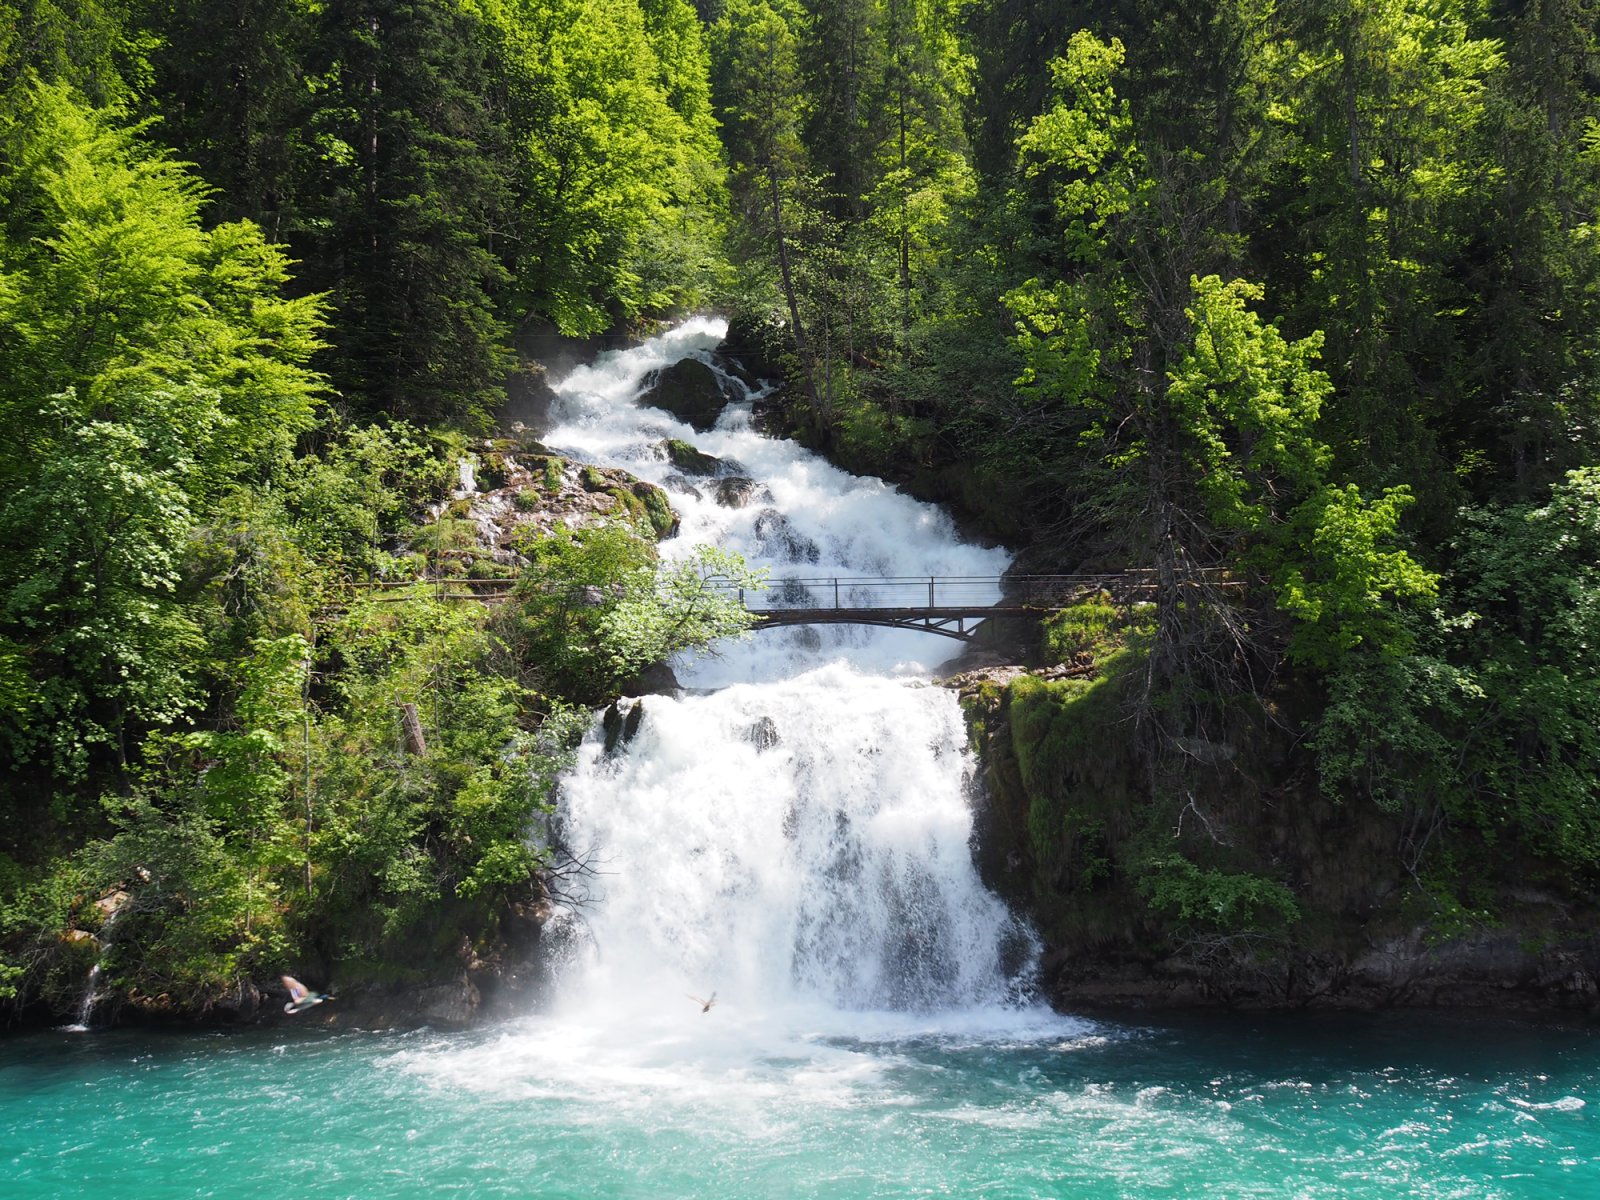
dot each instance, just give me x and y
(737, 491)
(691, 391)
(1487, 969)
(695, 462)
(513, 489)
(1065, 827)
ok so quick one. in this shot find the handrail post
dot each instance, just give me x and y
(930, 591)
(836, 591)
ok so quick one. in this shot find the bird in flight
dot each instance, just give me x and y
(301, 997)
(705, 1005)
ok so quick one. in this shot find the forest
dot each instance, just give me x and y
(1295, 305)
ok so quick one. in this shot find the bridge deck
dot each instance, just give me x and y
(948, 605)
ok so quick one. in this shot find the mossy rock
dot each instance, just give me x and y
(493, 471)
(527, 500)
(594, 480)
(657, 508)
(690, 391)
(488, 568)
(691, 461)
(449, 533)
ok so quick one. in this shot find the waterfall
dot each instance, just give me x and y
(112, 907)
(793, 831)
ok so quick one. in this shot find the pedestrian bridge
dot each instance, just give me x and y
(949, 605)
(952, 606)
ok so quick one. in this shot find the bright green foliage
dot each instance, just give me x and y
(1345, 574)
(92, 46)
(615, 156)
(1488, 725)
(1235, 470)
(596, 607)
(1248, 401)
(1084, 145)
(1393, 95)
(149, 366)
(1235, 901)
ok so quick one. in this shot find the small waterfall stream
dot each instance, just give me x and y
(793, 831)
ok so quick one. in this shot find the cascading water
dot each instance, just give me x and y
(797, 839)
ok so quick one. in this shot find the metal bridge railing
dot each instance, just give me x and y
(935, 592)
(862, 593)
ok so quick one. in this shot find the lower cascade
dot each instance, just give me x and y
(794, 843)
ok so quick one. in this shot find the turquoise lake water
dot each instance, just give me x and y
(1027, 1105)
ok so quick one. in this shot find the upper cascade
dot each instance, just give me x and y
(777, 504)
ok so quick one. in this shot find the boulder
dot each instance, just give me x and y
(756, 343)
(692, 461)
(690, 391)
(763, 735)
(735, 491)
(681, 485)
(779, 538)
(452, 1004)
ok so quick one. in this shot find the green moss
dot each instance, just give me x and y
(493, 471)
(657, 508)
(689, 460)
(447, 534)
(527, 500)
(555, 473)
(593, 480)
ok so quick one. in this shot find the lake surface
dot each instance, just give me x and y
(711, 1105)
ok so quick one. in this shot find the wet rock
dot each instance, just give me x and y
(756, 343)
(763, 735)
(735, 491)
(620, 725)
(807, 638)
(692, 461)
(681, 485)
(780, 539)
(655, 680)
(790, 593)
(690, 391)
(452, 1004)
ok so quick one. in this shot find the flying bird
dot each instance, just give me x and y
(705, 1005)
(301, 997)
